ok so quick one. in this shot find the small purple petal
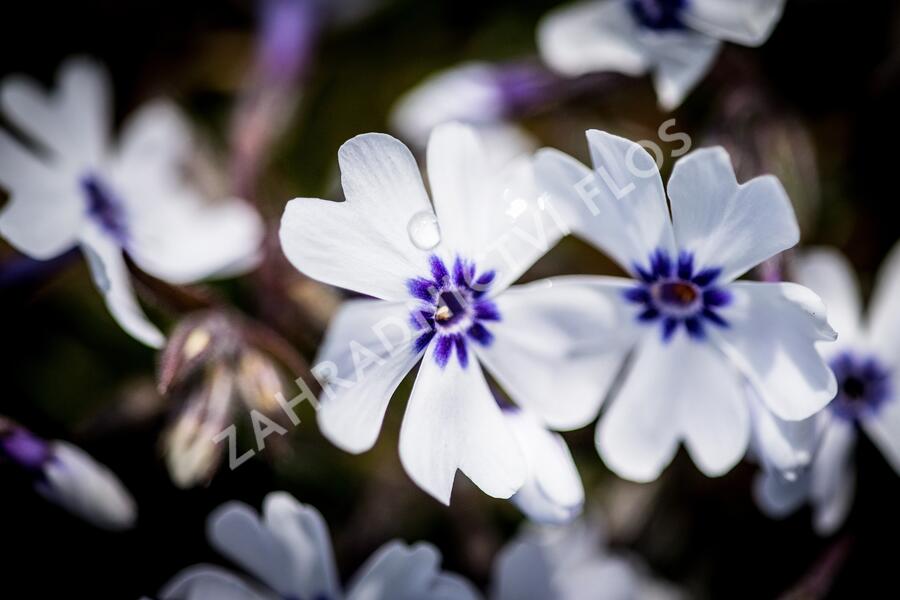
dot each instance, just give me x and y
(643, 275)
(670, 324)
(442, 350)
(685, 265)
(485, 310)
(421, 288)
(638, 295)
(480, 334)
(716, 297)
(694, 328)
(713, 316)
(461, 352)
(422, 341)
(651, 314)
(438, 271)
(459, 273)
(483, 283)
(662, 266)
(707, 276)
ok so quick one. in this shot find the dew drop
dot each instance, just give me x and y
(423, 230)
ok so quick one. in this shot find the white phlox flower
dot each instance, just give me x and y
(441, 277)
(676, 41)
(698, 335)
(866, 360)
(287, 554)
(570, 563)
(70, 186)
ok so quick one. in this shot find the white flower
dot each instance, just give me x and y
(469, 93)
(70, 478)
(552, 492)
(69, 186)
(442, 278)
(674, 40)
(288, 552)
(698, 333)
(478, 94)
(569, 563)
(865, 361)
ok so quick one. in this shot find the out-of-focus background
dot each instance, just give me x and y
(817, 105)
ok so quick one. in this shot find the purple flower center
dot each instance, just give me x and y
(660, 15)
(863, 385)
(455, 308)
(675, 295)
(105, 208)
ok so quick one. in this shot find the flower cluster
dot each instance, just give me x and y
(703, 344)
(708, 335)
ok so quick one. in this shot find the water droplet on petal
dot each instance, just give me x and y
(423, 230)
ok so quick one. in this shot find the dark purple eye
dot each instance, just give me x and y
(454, 307)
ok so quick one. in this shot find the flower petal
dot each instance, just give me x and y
(72, 121)
(592, 36)
(676, 390)
(833, 477)
(156, 138)
(468, 92)
(748, 22)
(457, 172)
(206, 582)
(884, 318)
(491, 214)
(42, 216)
(368, 351)
(406, 573)
(522, 572)
(452, 422)
(87, 489)
(829, 274)
(174, 233)
(784, 447)
(777, 496)
(772, 335)
(726, 225)
(362, 244)
(564, 562)
(111, 277)
(681, 60)
(290, 550)
(558, 346)
(189, 239)
(883, 428)
(620, 206)
(553, 492)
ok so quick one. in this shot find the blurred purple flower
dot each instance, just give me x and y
(68, 477)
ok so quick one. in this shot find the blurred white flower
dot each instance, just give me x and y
(674, 40)
(570, 563)
(865, 361)
(698, 334)
(782, 447)
(469, 93)
(69, 477)
(288, 553)
(552, 492)
(70, 186)
(477, 94)
(441, 276)
(480, 94)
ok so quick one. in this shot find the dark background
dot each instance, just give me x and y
(833, 66)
